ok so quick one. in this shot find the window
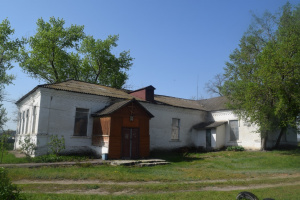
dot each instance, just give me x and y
(27, 120)
(23, 122)
(81, 121)
(19, 123)
(234, 130)
(175, 129)
(33, 119)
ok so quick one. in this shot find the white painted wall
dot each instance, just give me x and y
(221, 135)
(161, 125)
(57, 112)
(28, 105)
(248, 138)
(199, 138)
(289, 139)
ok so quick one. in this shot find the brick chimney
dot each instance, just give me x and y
(146, 93)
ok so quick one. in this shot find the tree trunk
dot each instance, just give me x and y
(282, 131)
(264, 139)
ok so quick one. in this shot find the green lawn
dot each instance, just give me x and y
(278, 193)
(184, 178)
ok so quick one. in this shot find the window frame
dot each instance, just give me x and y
(175, 129)
(234, 136)
(33, 119)
(82, 132)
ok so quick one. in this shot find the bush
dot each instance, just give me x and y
(235, 148)
(55, 158)
(8, 191)
(56, 145)
(27, 146)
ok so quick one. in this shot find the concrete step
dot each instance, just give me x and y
(152, 164)
(148, 162)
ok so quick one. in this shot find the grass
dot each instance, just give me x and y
(280, 193)
(192, 167)
(11, 159)
(149, 187)
(183, 178)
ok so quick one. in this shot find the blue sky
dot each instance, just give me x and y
(177, 44)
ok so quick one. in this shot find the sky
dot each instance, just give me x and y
(177, 45)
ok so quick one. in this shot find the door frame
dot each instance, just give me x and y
(131, 143)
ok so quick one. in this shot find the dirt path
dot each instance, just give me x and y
(68, 181)
(101, 191)
(105, 191)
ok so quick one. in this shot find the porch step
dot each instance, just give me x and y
(140, 163)
(145, 164)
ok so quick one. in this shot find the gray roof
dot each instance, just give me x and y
(116, 106)
(208, 125)
(177, 102)
(212, 104)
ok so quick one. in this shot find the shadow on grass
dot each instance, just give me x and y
(178, 155)
(288, 150)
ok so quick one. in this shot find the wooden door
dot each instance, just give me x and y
(130, 143)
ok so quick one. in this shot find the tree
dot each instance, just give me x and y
(57, 53)
(9, 52)
(215, 86)
(101, 65)
(262, 79)
(7, 189)
(49, 55)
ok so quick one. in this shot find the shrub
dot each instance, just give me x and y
(3, 145)
(8, 191)
(56, 145)
(235, 148)
(27, 146)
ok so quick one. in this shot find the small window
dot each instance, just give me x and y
(27, 121)
(234, 130)
(19, 123)
(81, 121)
(175, 129)
(23, 122)
(33, 119)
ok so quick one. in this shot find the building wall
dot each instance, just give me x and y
(221, 135)
(248, 138)
(26, 126)
(289, 139)
(57, 117)
(161, 125)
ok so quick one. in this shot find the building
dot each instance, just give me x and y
(128, 124)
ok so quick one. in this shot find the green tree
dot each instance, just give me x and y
(262, 79)
(8, 191)
(49, 54)
(57, 53)
(9, 52)
(101, 66)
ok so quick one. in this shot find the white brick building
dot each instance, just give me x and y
(69, 108)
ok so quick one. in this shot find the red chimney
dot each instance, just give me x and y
(146, 93)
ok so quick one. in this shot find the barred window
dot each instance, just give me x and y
(81, 122)
(175, 129)
(33, 119)
(23, 122)
(234, 130)
(27, 121)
